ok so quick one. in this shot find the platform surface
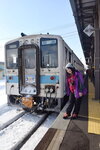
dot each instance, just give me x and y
(82, 133)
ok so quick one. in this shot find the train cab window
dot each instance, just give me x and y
(49, 53)
(29, 58)
(12, 59)
(12, 55)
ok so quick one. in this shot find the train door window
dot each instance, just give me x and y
(49, 53)
(29, 58)
(12, 59)
(69, 56)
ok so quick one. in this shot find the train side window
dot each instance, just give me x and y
(69, 56)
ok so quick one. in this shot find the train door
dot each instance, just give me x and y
(29, 70)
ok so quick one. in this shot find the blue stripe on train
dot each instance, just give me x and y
(12, 79)
(44, 79)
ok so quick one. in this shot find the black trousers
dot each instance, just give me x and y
(74, 103)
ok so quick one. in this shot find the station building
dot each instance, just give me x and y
(1, 70)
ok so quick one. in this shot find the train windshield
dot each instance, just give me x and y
(49, 53)
(12, 55)
(12, 58)
(29, 58)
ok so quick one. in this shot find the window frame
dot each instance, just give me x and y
(12, 46)
(45, 39)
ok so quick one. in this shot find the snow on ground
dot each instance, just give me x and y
(3, 96)
(16, 131)
(37, 136)
(8, 115)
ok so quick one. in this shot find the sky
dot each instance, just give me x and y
(38, 16)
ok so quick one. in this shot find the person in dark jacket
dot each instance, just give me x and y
(75, 90)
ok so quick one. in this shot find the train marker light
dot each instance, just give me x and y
(52, 77)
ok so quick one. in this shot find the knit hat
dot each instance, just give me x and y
(69, 65)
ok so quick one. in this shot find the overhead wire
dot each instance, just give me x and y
(70, 35)
(57, 27)
(54, 28)
(63, 35)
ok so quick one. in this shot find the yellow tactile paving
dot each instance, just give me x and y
(93, 112)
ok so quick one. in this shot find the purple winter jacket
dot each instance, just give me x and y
(79, 85)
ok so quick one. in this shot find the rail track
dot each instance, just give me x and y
(17, 127)
(31, 132)
(8, 115)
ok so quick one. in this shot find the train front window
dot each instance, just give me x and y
(29, 58)
(49, 53)
(12, 59)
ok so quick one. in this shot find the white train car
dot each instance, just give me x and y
(35, 71)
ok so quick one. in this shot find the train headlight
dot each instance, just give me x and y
(20, 43)
(26, 42)
(32, 41)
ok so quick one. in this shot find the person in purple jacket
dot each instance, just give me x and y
(75, 90)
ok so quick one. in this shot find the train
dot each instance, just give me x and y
(35, 71)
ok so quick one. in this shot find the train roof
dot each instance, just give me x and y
(36, 35)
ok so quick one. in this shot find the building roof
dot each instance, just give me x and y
(84, 13)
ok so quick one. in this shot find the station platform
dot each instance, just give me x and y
(82, 133)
